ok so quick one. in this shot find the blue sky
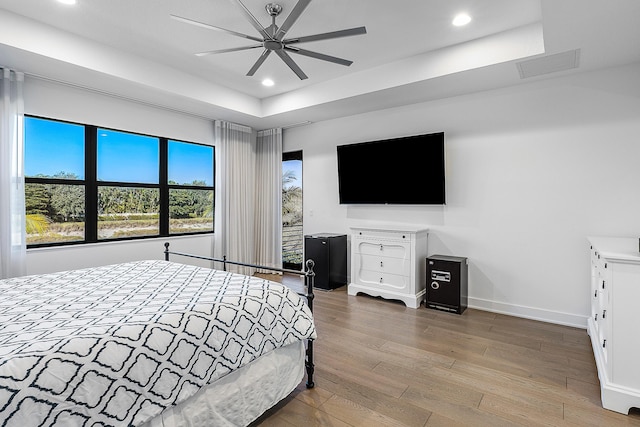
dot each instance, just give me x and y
(52, 147)
(296, 167)
(197, 159)
(127, 157)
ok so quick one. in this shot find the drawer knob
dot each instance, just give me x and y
(595, 294)
(381, 265)
(604, 314)
(604, 343)
(603, 284)
(381, 247)
(596, 317)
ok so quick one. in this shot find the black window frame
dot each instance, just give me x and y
(92, 185)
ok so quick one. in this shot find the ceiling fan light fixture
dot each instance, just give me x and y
(272, 38)
(268, 82)
(461, 20)
(273, 9)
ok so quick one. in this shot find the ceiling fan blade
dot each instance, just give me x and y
(292, 18)
(317, 55)
(259, 62)
(294, 67)
(232, 49)
(213, 27)
(326, 36)
(252, 19)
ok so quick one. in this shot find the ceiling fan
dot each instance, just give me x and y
(272, 38)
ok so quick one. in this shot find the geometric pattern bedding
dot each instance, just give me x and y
(116, 345)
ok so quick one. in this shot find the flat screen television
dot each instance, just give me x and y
(400, 171)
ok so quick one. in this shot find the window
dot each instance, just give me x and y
(190, 179)
(55, 181)
(89, 184)
(128, 171)
(292, 252)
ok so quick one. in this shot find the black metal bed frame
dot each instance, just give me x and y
(309, 278)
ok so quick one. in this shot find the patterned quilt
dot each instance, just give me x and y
(115, 345)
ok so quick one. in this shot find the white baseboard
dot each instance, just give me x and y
(549, 316)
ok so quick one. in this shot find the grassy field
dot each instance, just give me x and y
(74, 231)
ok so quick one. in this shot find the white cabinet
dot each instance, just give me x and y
(612, 326)
(389, 263)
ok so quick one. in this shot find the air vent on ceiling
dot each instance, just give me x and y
(295, 125)
(549, 64)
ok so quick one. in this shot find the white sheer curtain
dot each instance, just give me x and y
(235, 182)
(13, 251)
(269, 198)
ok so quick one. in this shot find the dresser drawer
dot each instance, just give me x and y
(383, 280)
(382, 248)
(382, 264)
(385, 235)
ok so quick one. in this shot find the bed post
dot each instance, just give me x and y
(309, 282)
(166, 251)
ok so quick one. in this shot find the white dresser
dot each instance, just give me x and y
(389, 262)
(613, 323)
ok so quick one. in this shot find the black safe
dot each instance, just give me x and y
(329, 253)
(447, 283)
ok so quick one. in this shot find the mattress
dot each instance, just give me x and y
(119, 344)
(241, 397)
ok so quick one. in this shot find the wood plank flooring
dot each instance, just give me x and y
(381, 364)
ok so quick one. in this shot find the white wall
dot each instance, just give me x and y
(532, 170)
(47, 99)
(47, 260)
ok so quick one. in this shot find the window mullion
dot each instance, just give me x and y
(164, 187)
(91, 189)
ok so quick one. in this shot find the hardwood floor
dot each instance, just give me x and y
(381, 364)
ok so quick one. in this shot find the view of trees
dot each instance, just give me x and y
(185, 203)
(56, 212)
(59, 202)
(114, 201)
(291, 199)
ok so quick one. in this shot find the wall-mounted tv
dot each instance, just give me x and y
(400, 171)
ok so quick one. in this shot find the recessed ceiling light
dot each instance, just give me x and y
(70, 2)
(461, 19)
(268, 82)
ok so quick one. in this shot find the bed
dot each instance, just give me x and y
(151, 343)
